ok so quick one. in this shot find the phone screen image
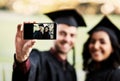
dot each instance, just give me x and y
(40, 31)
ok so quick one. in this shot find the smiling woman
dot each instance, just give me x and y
(101, 52)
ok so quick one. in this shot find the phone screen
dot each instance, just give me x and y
(40, 31)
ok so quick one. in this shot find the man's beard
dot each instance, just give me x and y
(59, 50)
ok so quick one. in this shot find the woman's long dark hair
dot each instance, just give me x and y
(112, 61)
(46, 35)
(47, 28)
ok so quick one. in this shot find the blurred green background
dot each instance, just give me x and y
(13, 12)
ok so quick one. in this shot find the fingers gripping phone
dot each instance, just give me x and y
(40, 31)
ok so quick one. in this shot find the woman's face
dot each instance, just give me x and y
(46, 29)
(100, 46)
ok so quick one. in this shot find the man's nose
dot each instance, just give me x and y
(67, 38)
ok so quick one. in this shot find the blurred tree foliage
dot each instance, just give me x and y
(89, 8)
(44, 6)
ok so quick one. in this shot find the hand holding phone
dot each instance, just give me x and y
(23, 47)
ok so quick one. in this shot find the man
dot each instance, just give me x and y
(52, 65)
(38, 34)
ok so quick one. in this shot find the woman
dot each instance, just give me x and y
(101, 55)
(46, 34)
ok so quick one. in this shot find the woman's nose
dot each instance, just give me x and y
(96, 45)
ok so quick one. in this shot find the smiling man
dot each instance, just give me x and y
(52, 65)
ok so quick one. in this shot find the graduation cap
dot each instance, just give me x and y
(68, 16)
(105, 23)
(41, 25)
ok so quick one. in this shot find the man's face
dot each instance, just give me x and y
(66, 36)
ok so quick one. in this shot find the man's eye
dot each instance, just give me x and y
(72, 35)
(62, 33)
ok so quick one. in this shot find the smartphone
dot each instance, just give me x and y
(40, 31)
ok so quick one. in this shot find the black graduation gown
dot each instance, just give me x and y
(37, 35)
(45, 67)
(46, 35)
(104, 75)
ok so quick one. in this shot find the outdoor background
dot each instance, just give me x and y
(13, 12)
